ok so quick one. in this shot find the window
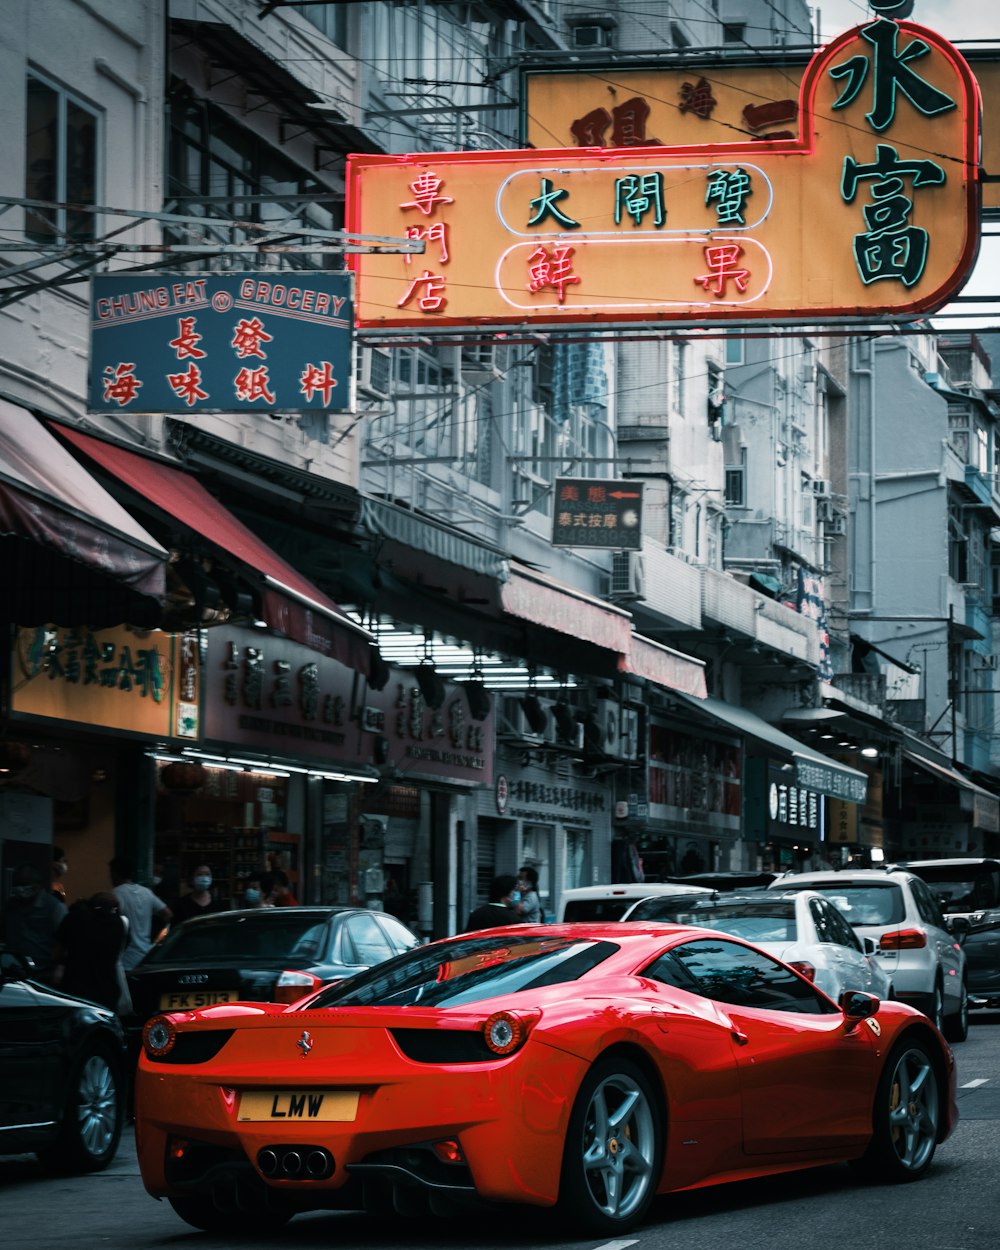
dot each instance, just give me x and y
(734, 32)
(735, 349)
(726, 972)
(736, 482)
(60, 162)
(331, 19)
(365, 939)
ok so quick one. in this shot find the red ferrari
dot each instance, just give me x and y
(589, 1066)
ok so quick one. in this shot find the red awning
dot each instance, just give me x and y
(665, 667)
(291, 604)
(71, 554)
(532, 597)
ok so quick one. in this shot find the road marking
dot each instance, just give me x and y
(969, 1085)
(619, 1245)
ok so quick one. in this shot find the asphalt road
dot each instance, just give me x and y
(957, 1207)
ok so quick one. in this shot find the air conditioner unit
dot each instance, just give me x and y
(484, 362)
(988, 663)
(820, 487)
(610, 726)
(628, 578)
(837, 524)
(825, 511)
(374, 371)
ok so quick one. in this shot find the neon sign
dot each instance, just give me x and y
(873, 208)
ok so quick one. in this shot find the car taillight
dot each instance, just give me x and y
(159, 1036)
(804, 968)
(504, 1032)
(903, 940)
(291, 986)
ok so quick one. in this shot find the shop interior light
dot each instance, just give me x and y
(869, 752)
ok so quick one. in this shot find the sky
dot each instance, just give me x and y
(956, 20)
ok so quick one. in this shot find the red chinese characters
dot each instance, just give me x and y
(428, 290)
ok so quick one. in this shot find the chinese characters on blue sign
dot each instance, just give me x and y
(220, 342)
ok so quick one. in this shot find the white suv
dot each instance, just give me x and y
(920, 957)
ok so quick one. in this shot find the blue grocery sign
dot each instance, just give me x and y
(276, 342)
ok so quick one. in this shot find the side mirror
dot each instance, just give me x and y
(869, 945)
(858, 1006)
(14, 966)
(958, 926)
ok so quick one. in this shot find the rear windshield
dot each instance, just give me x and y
(879, 905)
(756, 922)
(962, 887)
(596, 909)
(467, 970)
(252, 935)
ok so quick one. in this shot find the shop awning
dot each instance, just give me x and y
(542, 601)
(664, 667)
(812, 770)
(290, 603)
(419, 532)
(983, 804)
(71, 554)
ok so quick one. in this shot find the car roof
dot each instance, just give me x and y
(634, 890)
(314, 912)
(971, 861)
(855, 876)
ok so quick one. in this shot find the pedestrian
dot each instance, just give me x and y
(140, 907)
(529, 905)
(277, 889)
(253, 894)
(499, 910)
(200, 901)
(30, 921)
(59, 869)
(89, 945)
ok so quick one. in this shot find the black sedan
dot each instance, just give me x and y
(981, 943)
(270, 954)
(62, 1073)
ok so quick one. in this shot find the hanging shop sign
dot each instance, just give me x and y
(792, 810)
(236, 342)
(872, 209)
(140, 682)
(277, 697)
(692, 778)
(593, 513)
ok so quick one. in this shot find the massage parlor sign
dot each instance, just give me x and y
(872, 209)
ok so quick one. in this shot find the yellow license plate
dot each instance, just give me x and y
(188, 1000)
(298, 1105)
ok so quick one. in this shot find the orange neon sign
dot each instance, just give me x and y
(872, 208)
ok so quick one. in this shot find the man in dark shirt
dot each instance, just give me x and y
(499, 910)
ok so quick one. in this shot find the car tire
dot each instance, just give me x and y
(905, 1117)
(935, 1006)
(92, 1118)
(956, 1026)
(201, 1211)
(613, 1152)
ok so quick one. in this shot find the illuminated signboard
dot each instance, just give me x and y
(873, 208)
(597, 513)
(275, 342)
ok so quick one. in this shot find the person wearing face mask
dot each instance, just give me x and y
(59, 869)
(253, 895)
(201, 901)
(31, 918)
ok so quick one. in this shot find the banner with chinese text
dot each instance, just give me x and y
(872, 208)
(274, 342)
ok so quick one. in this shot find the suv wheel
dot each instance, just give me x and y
(956, 1027)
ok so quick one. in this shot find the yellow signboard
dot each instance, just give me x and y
(871, 208)
(138, 681)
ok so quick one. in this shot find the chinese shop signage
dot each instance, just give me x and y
(280, 698)
(792, 809)
(592, 513)
(220, 342)
(871, 209)
(139, 682)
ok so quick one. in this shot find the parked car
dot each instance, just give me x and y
(62, 1073)
(966, 887)
(269, 954)
(980, 941)
(587, 1067)
(730, 879)
(801, 928)
(914, 946)
(611, 902)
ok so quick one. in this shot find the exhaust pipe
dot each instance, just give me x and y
(267, 1161)
(295, 1162)
(318, 1163)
